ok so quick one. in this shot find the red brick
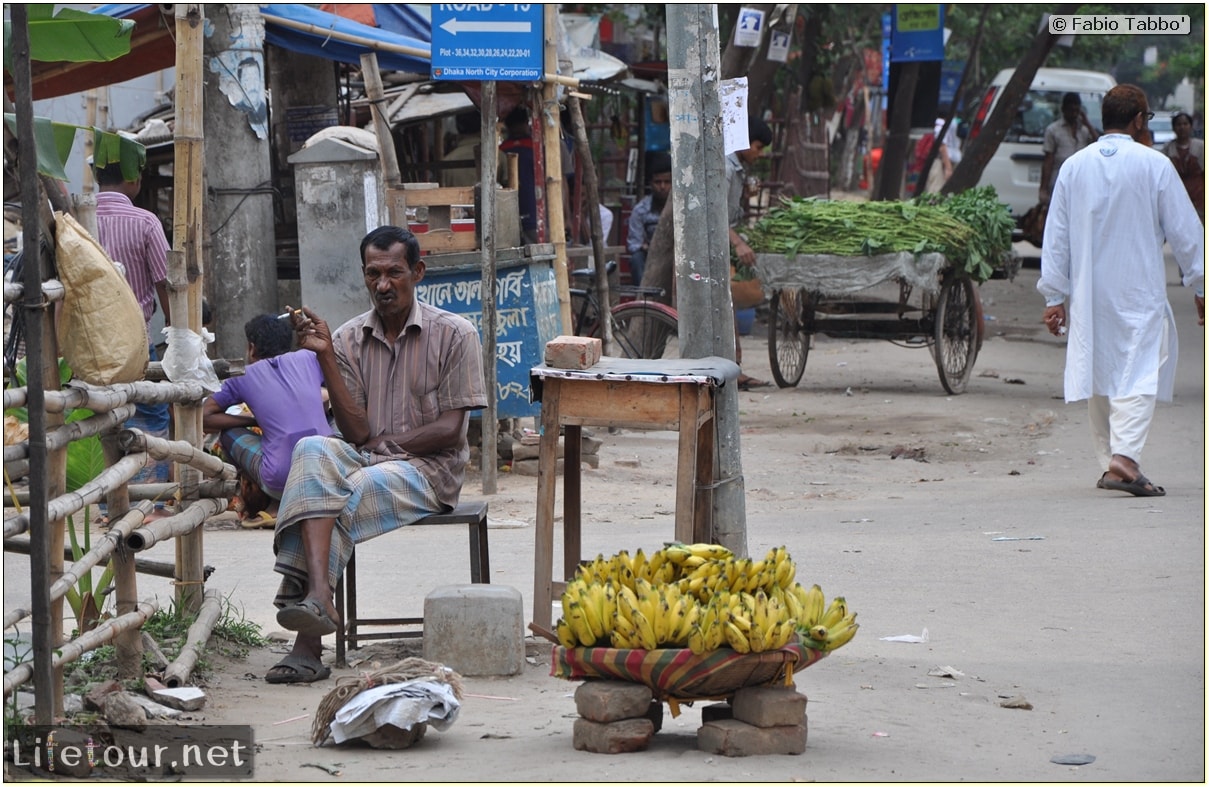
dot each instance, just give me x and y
(616, 737)
(732, 738)
(770, 706)
(573, 352)
(612, 700)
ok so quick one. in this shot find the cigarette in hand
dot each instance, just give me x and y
(287, 315)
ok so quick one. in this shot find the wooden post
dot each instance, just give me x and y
(552, 143)
(47, 469)
(486, 221)
(387, 157)
(602, 276)
(185, 270)
(90, 120)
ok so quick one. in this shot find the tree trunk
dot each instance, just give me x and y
(980, 150)
(737, 60)
(894, 155)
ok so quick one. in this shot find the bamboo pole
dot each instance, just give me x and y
(100, 399)
(128, 645)
(178, 672)
(71, 651)
(178, 451)
(88, 427)
(186, 263)
(90, 493)
(110, 540)
(152, 568)
(223, 369)
(388, 159)
(164, 491)
(193, 517)
(552, 147)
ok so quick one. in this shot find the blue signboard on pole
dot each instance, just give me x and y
(919, 32)
(500, 42)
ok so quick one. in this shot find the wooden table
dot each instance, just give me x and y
(673, 395)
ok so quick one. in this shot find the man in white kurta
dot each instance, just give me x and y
(1104, 280)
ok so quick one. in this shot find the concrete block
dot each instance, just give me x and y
(615, 737)
(612, 700)
(573, 352)
(475, 629)
(770, 706)
(733, 738)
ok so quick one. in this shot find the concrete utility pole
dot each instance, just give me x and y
(702, 239)
(242, 250)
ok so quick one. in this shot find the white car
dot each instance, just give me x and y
(1160, 130)
(1015, 169)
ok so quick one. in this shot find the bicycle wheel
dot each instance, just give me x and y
(790, 323)
(956, 333)
(645, 329)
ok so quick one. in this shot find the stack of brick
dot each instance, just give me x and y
(615, 717)
(759, 720)
(525, 454)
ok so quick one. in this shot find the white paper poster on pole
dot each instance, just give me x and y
(749, 27)
(732, 96)
(778, 46)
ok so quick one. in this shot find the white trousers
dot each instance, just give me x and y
(1120, 425)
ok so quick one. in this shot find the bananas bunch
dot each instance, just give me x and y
(701, 597)
(825, 629)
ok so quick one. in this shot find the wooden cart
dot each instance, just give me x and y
(917, 299)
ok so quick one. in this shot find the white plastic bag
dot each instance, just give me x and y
(185, 359)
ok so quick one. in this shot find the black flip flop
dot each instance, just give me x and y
(306, 617)
(1138, 487)
(305, 670)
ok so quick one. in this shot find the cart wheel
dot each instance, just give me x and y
(956, 333)
(790, 322)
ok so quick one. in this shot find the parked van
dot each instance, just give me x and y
(1015, 169)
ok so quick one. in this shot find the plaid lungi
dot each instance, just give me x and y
(331, 478)
(245, 449)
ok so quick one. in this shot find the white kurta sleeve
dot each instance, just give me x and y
(1182, 228)
(1054, 283)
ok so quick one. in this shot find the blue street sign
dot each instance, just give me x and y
(497, 42)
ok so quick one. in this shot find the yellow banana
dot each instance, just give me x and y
(812, 606)
(835, 612)
(817, 633)
(566, 636)
(737, 638)
(840, 636)
(654, 564)
(711, 551)
(591, 618)
(646, 631)
(579, 625)
(696, 641)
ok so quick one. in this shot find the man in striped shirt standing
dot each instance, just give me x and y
(402, 380)
(135, 238)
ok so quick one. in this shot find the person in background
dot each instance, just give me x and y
(520, 143)
(1104, 279)
(469, 126)
(284, 392)
(1188, 156)
(644, 218)
(951, 140)
(759, 137)
(135, 238)
(402, 379)
(1064, 138)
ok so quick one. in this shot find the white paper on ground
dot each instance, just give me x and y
(399, 704)
(906, 638)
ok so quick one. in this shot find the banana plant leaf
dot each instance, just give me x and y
(54, 141)
(85, 458)
(71, 36)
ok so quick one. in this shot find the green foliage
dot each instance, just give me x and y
(972, 229)
(71, 36)
(54, 141)
(82, 598)
(85, 458)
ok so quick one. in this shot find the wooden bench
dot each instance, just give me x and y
(470, 513)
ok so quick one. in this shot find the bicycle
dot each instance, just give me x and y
(642, 328)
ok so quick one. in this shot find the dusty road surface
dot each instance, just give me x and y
(974, 518)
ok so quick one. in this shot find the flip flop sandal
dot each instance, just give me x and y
(262, 520)
(307, 617)
(1138, 487)
(303, 670)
